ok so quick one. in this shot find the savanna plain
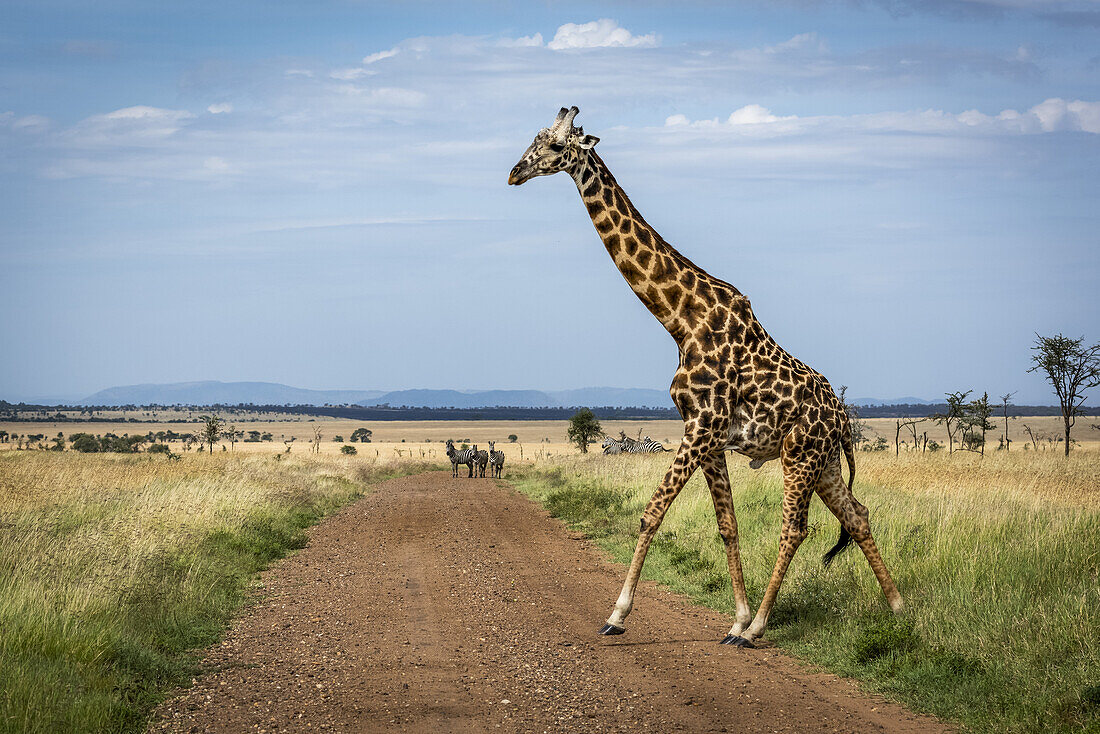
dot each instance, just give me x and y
(117, 569)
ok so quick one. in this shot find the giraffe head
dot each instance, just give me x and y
(556, 148)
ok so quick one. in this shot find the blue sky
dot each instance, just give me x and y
(314, 193)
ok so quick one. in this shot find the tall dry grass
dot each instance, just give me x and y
(998, 560)
(113, 567)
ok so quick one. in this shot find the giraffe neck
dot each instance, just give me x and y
(661, 277)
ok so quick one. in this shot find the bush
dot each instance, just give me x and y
(348, 449)
(85, 443)
(158, 448)
(973, 441)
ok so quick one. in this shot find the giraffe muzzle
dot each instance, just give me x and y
(518, 175)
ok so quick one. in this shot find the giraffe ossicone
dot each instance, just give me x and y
(735, 388)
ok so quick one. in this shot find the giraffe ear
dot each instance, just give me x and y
(588, 142)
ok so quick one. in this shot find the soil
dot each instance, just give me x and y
(458, 605)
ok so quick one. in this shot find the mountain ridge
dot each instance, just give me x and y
(215, 392)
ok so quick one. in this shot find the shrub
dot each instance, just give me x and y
(158, 448)
(348, 449)
(85, 443)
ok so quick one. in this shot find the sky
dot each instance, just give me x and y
(314, 193)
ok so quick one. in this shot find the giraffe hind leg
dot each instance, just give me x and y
(855, 526)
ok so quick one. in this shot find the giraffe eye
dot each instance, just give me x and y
(557, 147)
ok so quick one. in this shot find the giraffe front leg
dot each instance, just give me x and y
(683, 466)
(714, 468)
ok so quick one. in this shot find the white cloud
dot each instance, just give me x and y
(1056, 114)
(601, 33)
(26, 123)
(801, 42)
(379, 56)
(522, 42)
(1052, 115)
(385, 96)
(352, 73)
(753, 114)
(216, 164)
(137, 125)
(220, 108)
(143, 112)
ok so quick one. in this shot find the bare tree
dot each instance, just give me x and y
(1071, 368)
(1034, 437)
(859, 427)
(910, 424)
(1005, 405)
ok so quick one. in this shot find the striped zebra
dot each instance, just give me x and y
(646, 446)
(481, 460)
(460, 456)
(611, 446)
(496, 460)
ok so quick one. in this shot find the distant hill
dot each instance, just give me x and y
(212, 392)
(608, 396)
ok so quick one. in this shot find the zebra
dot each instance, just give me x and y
(646, 446)
(463, 456)
(481, 459)
(611, 446)
(496, 460)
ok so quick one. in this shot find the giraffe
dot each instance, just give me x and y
(735, 388)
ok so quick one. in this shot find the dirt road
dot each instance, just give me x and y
(439, 604)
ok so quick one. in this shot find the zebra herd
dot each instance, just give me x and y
(476, 460)
(627, 445)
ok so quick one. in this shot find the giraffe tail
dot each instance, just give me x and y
(845, 538)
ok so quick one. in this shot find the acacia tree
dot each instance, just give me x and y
(232, 435)
(954, 417)
(584, 429)
(977, 419)
(211, 430)
(1071, 368)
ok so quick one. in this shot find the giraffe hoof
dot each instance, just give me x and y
(736, 641)
(611, 629)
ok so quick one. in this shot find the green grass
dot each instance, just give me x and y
(115, 570)
(1002, 628)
